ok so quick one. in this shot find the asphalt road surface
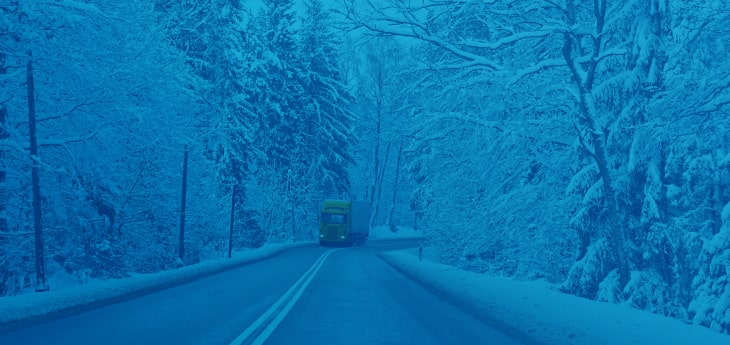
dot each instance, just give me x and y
(306, 295)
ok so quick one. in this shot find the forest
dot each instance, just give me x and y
(584, 143)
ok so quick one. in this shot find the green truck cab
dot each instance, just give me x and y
(344, 222)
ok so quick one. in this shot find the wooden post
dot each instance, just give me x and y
(3, 135)
(233, 212)
(37, 207)
(182, 206)
(293, 222)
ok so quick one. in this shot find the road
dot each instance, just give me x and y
(306, 295)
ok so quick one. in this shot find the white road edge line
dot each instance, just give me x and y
(296, 289)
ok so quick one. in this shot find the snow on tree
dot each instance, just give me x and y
(110, 94)
(465, 47)
(382, 119)
(641, 86)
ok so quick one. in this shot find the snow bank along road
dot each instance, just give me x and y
(305, 295)
(536, 313)
(16, 311)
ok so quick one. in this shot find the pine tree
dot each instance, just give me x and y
(327, 119)
(275, 89)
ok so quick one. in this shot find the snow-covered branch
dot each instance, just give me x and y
(542, 65)
(64, 141)
(13, 145)
(511, 39)
(388, 26)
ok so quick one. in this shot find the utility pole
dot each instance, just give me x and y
(3, 135)
(181, 249)
(233, 219)
(40, 269)
(290, 196)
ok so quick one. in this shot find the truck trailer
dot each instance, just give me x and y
(344, 222)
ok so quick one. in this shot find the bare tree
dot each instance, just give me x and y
(518, 41)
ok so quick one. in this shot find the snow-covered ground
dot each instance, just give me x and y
(79, 297)
(533, 312)
(536, 313)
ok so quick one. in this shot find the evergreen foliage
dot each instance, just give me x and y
(122, 90)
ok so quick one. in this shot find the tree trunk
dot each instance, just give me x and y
(395, 189)
(664, 200)
(584, 82)
(380, 176)
(37, 207)
(717, 199)
(378, 131)
(615, 233)
(614, 220)
(181, 249)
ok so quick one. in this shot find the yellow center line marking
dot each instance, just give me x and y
(261, 329)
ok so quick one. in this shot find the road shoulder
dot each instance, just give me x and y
(535, 313)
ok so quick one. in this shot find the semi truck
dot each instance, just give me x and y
(344, 222)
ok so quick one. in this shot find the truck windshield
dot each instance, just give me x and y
(334, 218)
